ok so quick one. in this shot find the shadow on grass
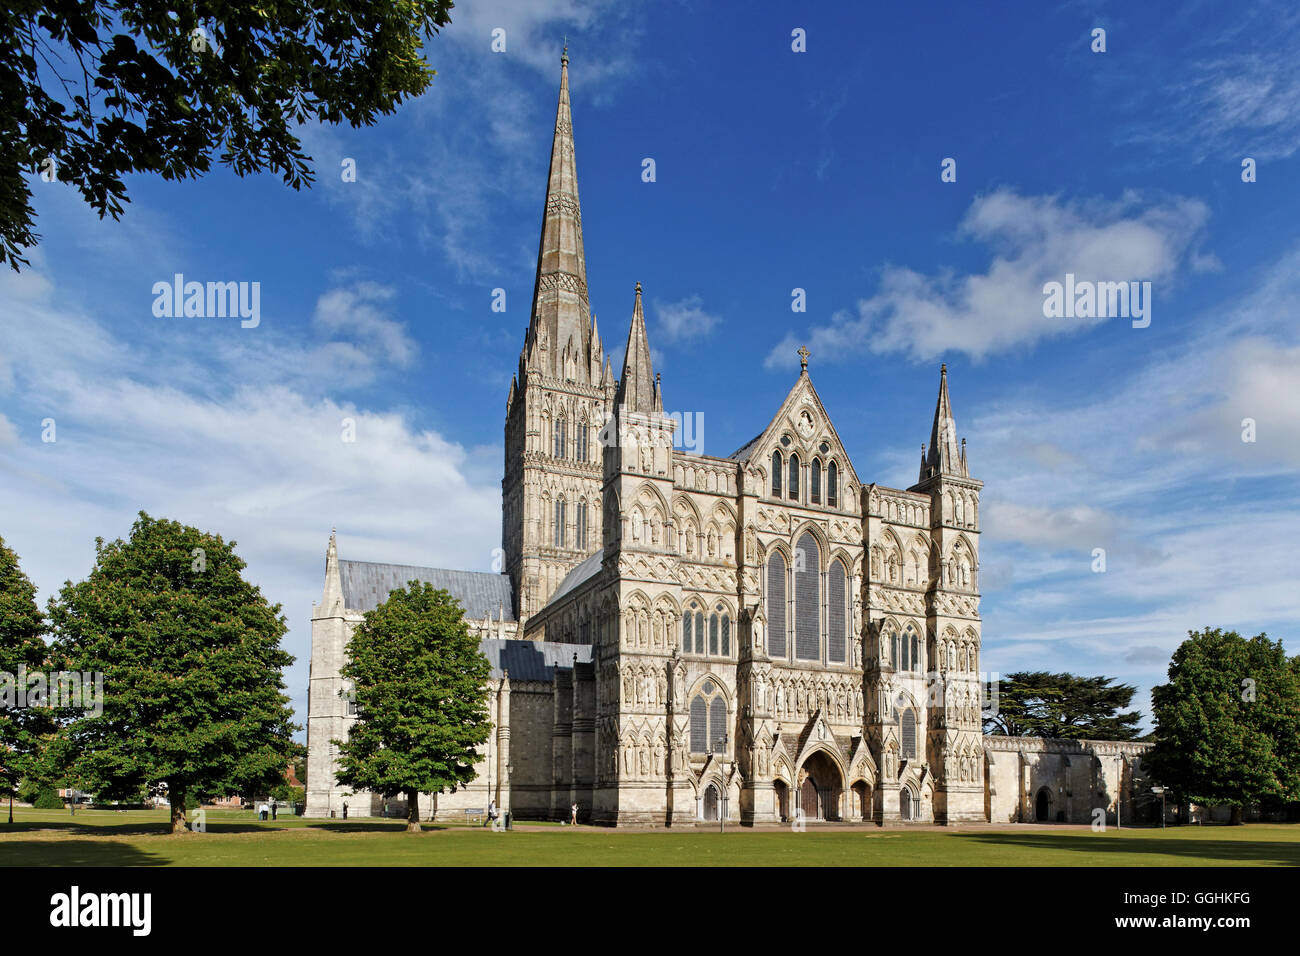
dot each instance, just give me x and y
(99, 852)
(338, 827)
(1238, 851)
(162, 828)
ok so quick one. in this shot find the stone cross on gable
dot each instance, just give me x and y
(803, 357)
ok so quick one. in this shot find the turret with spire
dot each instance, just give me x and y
(638, 389)
(559, 399)
(944, 457)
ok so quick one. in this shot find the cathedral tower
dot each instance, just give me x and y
(955, 744)
(559, 399)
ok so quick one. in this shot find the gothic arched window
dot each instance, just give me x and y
(794, 477)
(836, 611)
(726, 631)
(561, 436)
(582, 526)
(833, 485)
(907, 734)
(583, 433)
(893, 649)
(708, 719)
(713, 634)
(916, 649)
(687, 619)
(776, 604)
(815, 482)
(777, 466)
(807, 598)
(559, 523)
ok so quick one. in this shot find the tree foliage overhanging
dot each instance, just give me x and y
(95, 90)
(1064, 706)
(190, 653)
(419, 682)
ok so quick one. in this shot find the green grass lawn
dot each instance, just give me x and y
(234, 838)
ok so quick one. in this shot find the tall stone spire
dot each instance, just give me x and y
(637, 389)
(561, 316)
(944, 456)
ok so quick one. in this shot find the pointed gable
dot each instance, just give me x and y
(804, 421)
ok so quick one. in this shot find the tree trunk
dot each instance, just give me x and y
(1236, 817)
(412, 812)
(177, 800)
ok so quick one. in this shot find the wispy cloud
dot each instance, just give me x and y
(684, 319)
(1033, 240)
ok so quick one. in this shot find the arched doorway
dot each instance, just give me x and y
(905, 804)
(862, 800)
(711, 803)
(782, 800)
(1043, 805)
(819, 794)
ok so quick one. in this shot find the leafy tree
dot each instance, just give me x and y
(22, 646)
(98, 89)
(191, 658)
(420, 687)
(1228, 722)
(1066, 706)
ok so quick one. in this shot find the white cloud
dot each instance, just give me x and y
(684, 320)
(1033, 240)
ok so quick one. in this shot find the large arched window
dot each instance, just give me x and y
(776, 604)
(815, 482)
(833, 485)
(836, 612)
(911, 650)
(807, 598)
(559, 523)
(907, 734)
(561, 437)
(777, 466)
(793, 489)
(582, 436)
(709, 720)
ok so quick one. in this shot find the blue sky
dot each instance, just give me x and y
(775, 170)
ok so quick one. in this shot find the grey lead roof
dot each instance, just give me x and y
(581, 572)
(531, 660)
(481, 593)
(743, 453)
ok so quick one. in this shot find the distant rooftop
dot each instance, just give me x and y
(366, 584)
(531, 660)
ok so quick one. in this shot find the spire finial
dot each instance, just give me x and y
(803, 358)
(943, 368)
(564, 57)
(638, 288)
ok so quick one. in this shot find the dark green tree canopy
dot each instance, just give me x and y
(419, 682)
(1067, 706)
(97, 89)
(1228, 721)
(22, 645)
(191, 658)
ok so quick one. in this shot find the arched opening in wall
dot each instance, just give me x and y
(782, 800)
(862, 800)
(710, 803)
(819, 793)
(1043, 805)
(905, 804)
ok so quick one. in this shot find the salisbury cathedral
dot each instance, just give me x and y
(681, 638)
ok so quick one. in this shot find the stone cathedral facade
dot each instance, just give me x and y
(679, 637)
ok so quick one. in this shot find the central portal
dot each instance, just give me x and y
(819, 794)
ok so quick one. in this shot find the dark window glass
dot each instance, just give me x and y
(836, 611)
(807, 601)
(776, 605)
